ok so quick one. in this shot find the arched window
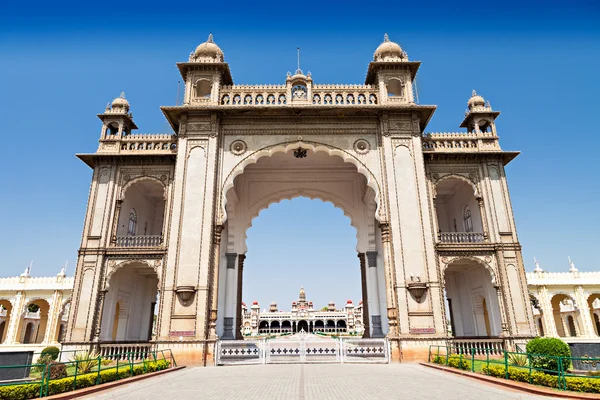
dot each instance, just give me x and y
(395, 88)
(467, 220)
(132, 222)
(203, 88)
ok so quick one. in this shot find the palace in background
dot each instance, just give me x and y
(302, 318)
(167, 214)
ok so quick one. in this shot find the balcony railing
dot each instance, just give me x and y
(461, 237)
(492, 346)
(139, 241)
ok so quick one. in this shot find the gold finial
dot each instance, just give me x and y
(473, 93)
(210, 38)
(386, 38)
(122, 95)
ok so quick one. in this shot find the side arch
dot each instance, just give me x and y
(476, 191)
(114, 269)
(286, 147)
(141, 179)
(486, 265)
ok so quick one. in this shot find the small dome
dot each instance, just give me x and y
(120, 102)
(209, 49)
(255, 303)
(476, 100)
(388, 49)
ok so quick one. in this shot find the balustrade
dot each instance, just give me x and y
(139, 241)
(124, 351)
(461, 237)
(481, 346)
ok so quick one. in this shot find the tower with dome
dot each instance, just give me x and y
(165, 228)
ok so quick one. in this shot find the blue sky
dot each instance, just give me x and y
(536, 62)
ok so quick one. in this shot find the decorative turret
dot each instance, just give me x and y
(331, 306)
(572, 267)
(117, 120)
(537, 269)
(207, 52)
(273, 307)
(479, 117)
(389, 51)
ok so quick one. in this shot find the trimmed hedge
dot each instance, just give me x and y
(52, 351)
(56, 386)
(575, 384)
(552, 347)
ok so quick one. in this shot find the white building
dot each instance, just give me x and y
(302, 317)
(167, 214)
(34, 311)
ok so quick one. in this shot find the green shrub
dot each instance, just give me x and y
(57, 370)
(455, 361)
(587, 385)
(42, 361)
(52, 351)
(551, 347)
(518, 359)
(439, 360)
(85, 361)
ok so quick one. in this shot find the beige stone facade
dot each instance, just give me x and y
(167, 214)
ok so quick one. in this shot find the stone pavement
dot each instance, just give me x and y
(311, 382)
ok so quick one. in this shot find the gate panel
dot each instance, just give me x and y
(322, 351)
(365, 351)
(285, 351)
(238, 352)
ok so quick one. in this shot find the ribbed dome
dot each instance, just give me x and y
(476, 100)
(209, 49)
(120, 102)
(388, 49)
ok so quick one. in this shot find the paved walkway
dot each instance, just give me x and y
(311, 382)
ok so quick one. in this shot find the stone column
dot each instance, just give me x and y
(390, 281)
(585, 313)
(229, 297)
(548, 313)
(376, 317)
(563, 321)
(115, 224)
(98, 327)
(53, 315)
(365, 298)
(214, 302)
(503, 321)
(238, 310)
(16, 314)
(482, 215)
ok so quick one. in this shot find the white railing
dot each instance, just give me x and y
(277, 96)
(139, 241)
(480, 346)
(460, 141)
(461, 237)
(32, 315)
(124, 351)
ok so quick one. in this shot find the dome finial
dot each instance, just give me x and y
(210, 38)
(572, 266)
(386, 38)
(122, 95)
(537, 266)
(473, 93)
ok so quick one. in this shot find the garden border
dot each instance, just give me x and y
(520, 386)
(109, 385)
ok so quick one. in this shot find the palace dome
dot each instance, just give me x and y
(209, 49)
(476, 100)
(120, 102)
(388, 49)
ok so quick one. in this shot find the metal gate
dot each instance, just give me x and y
(301, 349)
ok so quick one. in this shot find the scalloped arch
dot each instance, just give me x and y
(460, 178)
(12, 304)
(290, 194)
(285, 147)
(488, 267)
(28, 302)
(594, 293)
(141, 179)
(124, 264)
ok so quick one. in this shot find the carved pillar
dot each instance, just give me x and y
(115, 224)
(503, 321)
(566, 330)
(486, 235)
(390, 281)
(376, 316)
(585, 313)
(214, 301)
(238, 310)
(16, 315)
(365, 298)
(229, 297)
(98, 327)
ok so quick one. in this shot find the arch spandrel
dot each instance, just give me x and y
(286, 147)
(140, 179)
(113, 267)
(468, 181)
(447, 261)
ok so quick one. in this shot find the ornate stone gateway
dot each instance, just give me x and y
(165, 230)
(302, 349)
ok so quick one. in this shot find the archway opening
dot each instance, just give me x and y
(141, 215)
(5, 315)
(317, 213)
(566, 315)
(129, 304)
(34, 321)
(594, 310)
(457, 210)
(472, 300)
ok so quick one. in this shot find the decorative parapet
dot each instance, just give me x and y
(153, 143)
(460, 142)
(280, 95)
(545, 278)
(19, 283)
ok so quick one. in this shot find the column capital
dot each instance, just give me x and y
(385, 231)
(231, 260)
(372, 259)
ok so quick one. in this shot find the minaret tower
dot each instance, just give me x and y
(480, 117)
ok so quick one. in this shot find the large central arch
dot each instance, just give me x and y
(276, 173)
